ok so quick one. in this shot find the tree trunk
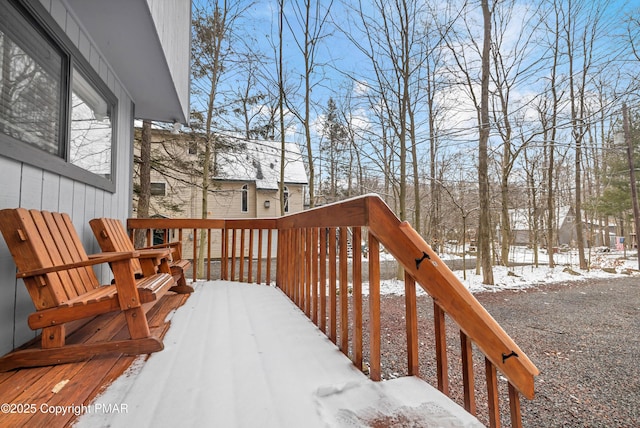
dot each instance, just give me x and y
(145, 181)
(484, 227)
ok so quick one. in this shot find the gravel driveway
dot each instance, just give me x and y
(582, 336)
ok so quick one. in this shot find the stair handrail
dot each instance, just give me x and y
(433, 275)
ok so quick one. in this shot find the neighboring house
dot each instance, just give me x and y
(75, 73)
(245, 177)
(521, 231)
(244, 180)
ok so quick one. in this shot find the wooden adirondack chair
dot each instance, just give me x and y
(112, 236)
(64, 288)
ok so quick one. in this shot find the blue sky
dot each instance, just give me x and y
(336, 56)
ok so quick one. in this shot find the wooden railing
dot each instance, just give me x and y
(316, 251)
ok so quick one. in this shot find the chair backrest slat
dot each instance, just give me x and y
(112, 236)
(86, 279)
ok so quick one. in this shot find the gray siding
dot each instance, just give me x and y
(30, 187)
(173, 23)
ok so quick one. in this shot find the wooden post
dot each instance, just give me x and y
(269, 243)
(250, 259)
(514, 405)
(411, 324)
(374, 308)
(259, 263)
(208, 254)
(492, 394)
(314, 275)
(344, 293)
(467, 374)
(323, 280)
(307, 272)
(333, 330)
(441, 349)
(356, 256)
(241, 267)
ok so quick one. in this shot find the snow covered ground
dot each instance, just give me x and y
(525, 274)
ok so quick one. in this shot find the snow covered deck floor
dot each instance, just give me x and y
(240, 355)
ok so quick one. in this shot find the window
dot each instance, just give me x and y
(90, 134)
(55, 112)
(286, 199)
(245, 198)
(158, 189)
(30, 84)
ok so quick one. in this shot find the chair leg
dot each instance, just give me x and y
(181, 286)
(53, 337)
(137, 323)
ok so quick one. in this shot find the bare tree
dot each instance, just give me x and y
(310, 17)
(459, 46)
(390, 35)
(144, 195)
(484, 227)
(515, 65)
(213, 25)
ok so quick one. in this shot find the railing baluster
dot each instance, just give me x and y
(307, 272)
(233, 254)
(250, 259)
(441, 349)
(241, 266)
(332, 285)
(314, 275)
(299, 253)
(283, 242)
(259, 264)
(195, 254)
(299, 269)
(344, 293)
(356, 257)
(208, 254)
(223, 253)
(323, 280)
(269, 242)
(466, 351)
(292, 266)
(492, 394)
(374, 308)
(514, 406)
(411, 319)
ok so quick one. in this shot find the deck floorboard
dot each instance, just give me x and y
(30, 392)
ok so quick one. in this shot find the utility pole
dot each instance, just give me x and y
(632, 177)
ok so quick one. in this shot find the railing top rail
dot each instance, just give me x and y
(199, 223)
(174, 223)
(350, 212)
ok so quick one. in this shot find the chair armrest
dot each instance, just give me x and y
(150, 253)
(165, 245)
(94, 259)
(174, 246)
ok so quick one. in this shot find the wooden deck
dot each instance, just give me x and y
(55, 396)
(240, 355)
